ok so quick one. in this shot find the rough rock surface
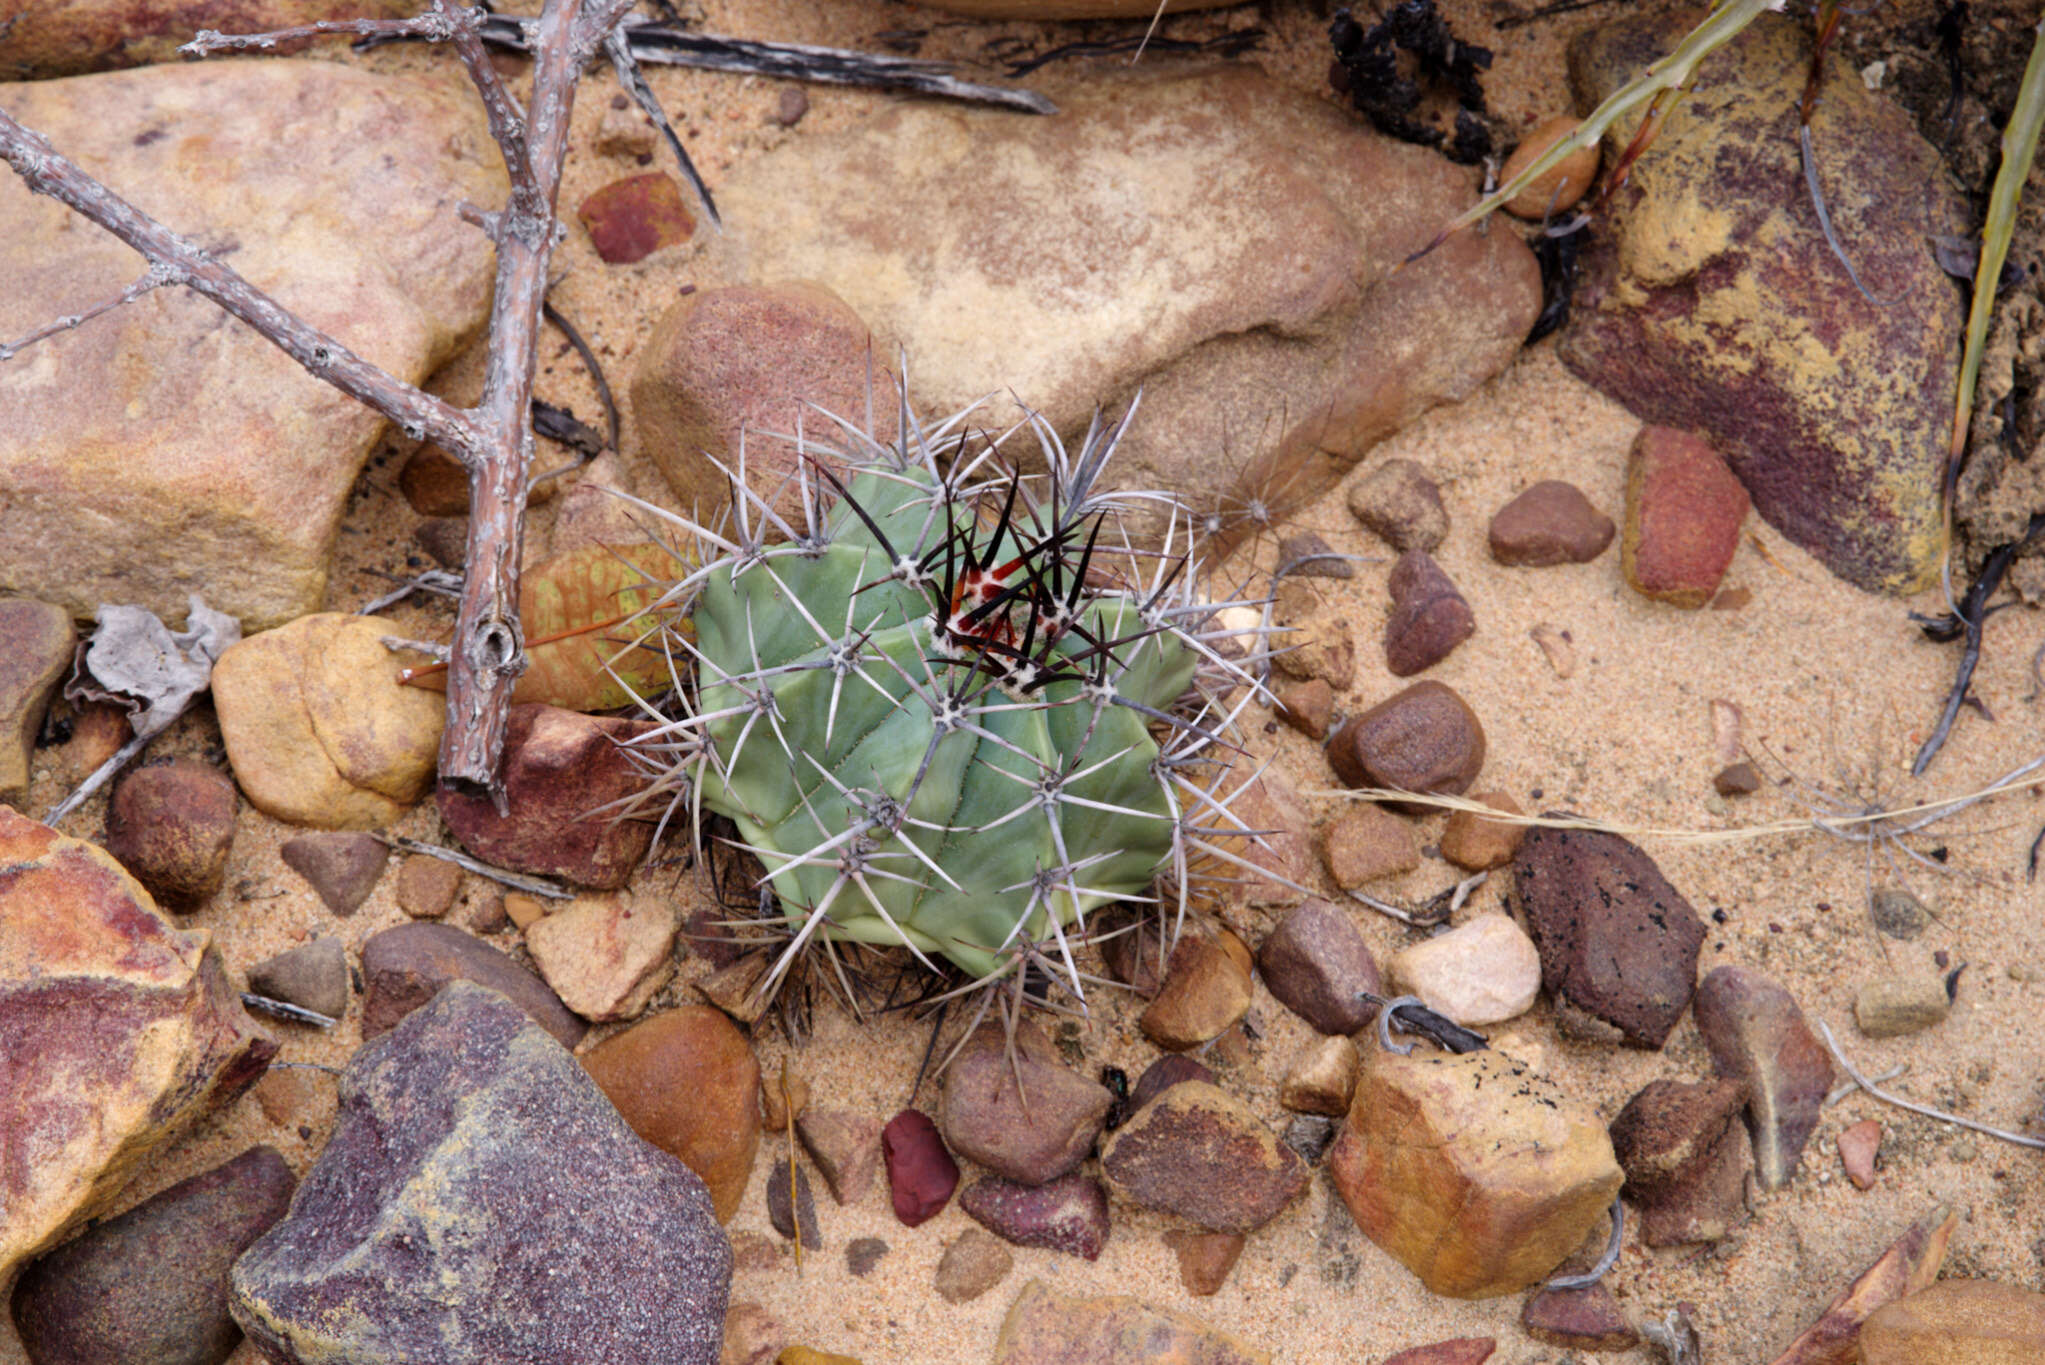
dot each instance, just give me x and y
(117, 1032)
(481, 1200)
(168, 445)
(561, 770)
(1618, 943)
(318, 728)
(1484, 971)
(313, 976)
(1756, 1034)
(1683, 515)
(341, 865)
(630, 219)
(1401, 505)
(1957, 1322)
(406, 966)
(1476, 1174)
(1206, 990)
(1315, 962)
(1423, 739)
(150, 1287)
(1711, 301)
(688, 1083)
(1204, 1155)
(40, 640)
(1685, 1158)
(1046, 1328)
(1069, 1214)
(758, 359)
(1021, 1114)
(605, 956)
(99, 35)
(172, 826)
(1223, 242)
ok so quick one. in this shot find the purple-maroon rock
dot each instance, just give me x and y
(341, 865)
(1549, 523)
(1422, 739)
(1315, 962)
(1578, 1319)
(786, 1213)
(1618, 944)
(563, 773)
(1756, 1034)
(1460, 1351)
(1197, 1152)
(1683, 515)
(921, 1173)
(312, 976)
(1070, 1214)
(172, 826)
(630, 219)
(1685, 1157)
(404, 967)
(1020, 1112)
(1835, 416)
(1164, 1073)
(150, 1287)
(480, 1200)
(1429, 617)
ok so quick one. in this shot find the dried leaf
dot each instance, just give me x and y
(138, 661)
(585, 650)
(1910, 1264)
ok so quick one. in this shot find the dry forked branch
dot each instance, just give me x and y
(494, 439)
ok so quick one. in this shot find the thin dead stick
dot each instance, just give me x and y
(1869, 1084)
(493, 440)
(1841, 1091)
(529, 885)
(151, 278)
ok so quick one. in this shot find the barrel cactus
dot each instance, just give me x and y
(949, 706)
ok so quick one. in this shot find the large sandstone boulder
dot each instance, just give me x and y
(1221, 242)
(117, 1032)
(1711, 301)
(167, 445)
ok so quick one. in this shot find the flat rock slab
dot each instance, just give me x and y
(117, 1032)
(1046, 1328)
(167, 446)
(1218, 240)
(1711, 301)
(481, 1200)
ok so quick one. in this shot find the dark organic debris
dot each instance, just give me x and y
(1368, 70)
(1556, 252)
(1966, 619)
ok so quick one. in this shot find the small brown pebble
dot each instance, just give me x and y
(1311, 556)
(1366, 843)
(755, 1251)
(525, 911)
(1307, 707)
(1732, 599)
(1476, 844)
(1898, 914)
(1550, 523)
(1429, 616)
(1323, 1080)
(1587, 1319)
(1205, 1258)
(1737, 779)
(1859, 1147)
(435, 483)
(1294, 601)
(487, 915)
(1423, 739)
(862, 1254)
(785, 1213)
(1401, 505)
(790, 105)
(427, 886)
(752, 1335)
(972, 1265)
(1556, 189)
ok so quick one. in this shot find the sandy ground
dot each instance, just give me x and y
(1837, 685)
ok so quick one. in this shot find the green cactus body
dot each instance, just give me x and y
(893, 789)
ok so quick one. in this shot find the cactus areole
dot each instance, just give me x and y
(948, 710)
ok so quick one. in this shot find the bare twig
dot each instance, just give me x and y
(1868, 1084)
(529, 885)
(151, 278)
(494, 440)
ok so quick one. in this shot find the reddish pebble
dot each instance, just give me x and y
(1429, 617)
(1461, 1351)
(1858, 1146)
(1205, 1258)
(1550, 523)
(921, 1173)
(1164, 1073)
(630, 219)
(1307, 707)
(1683, 515)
